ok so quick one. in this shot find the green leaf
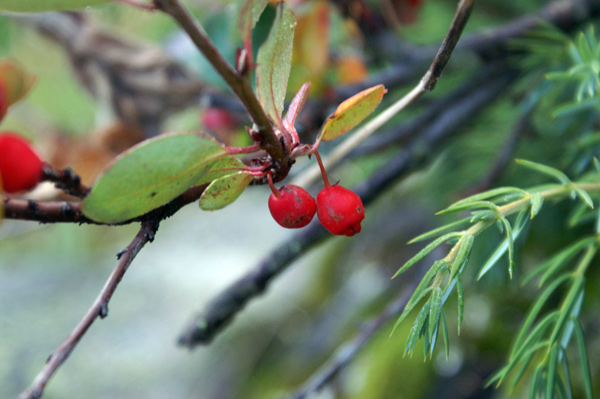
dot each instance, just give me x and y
(489, 194)
(511, 246)
(552, 365)
(567, 306)
(435, 311)
(224, 166)
(440, 230)
(460, 292)
(550, 266)
(249, 14)
(533, 313)
(537, 200)
(583, 355)
(544, 169)
(422, 253)
(585, 197)
(274, 62)
(445, 334)
(351, 112)
(47, 5)
(470, 205)
(462, 255)
(504, 246)
(224, 191)
(149, 175)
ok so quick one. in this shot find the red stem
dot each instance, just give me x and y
(270, 179)
(323, 173)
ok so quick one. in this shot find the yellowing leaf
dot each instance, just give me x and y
(46, 5)
(274, 62)
(149, 175)
(224, 191)
(15, 80)
(351, 112)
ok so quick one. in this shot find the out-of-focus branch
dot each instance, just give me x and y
(426, 84)
(98, 309)
(348, 351)
(489, 44)
(240, 86)
(221, 310)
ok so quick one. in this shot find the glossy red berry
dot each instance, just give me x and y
(20, 167)
(340, 210)
(292, 206)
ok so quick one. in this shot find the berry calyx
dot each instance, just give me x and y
(339, 210)
(291, 206)
(21, 169)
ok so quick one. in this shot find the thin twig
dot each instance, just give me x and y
(348, 351)
(426, 84)
(240, 86)
(66, 180)
(221, 310)
(70, 211)
(98, 309)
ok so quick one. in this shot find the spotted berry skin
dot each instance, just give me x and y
(340, 210)
(20, 167)
(292, 207)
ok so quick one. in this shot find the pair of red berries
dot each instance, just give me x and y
(21, 169)
(339, 210)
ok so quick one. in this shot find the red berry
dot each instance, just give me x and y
(340, 210)
(20, 167)
(292, 207)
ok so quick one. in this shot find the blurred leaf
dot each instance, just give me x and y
(583, 355)
(15, 80)
(224, 191)
(546, 170)
(585, 197)
(311, 42)
(351, 112)
(462, 255)
(274, 61)
(249, 14)
(47, 5)
(149, 175)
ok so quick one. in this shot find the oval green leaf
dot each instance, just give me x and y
(224, 191)
(47, 5)
(149, 175)
(351, 112)
(274, 62)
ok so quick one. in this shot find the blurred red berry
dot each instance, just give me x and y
(20, 167)
(340, 210)
(292, 206)
(218, 120)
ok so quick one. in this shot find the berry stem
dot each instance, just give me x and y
(270, 179)
(323, 173)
